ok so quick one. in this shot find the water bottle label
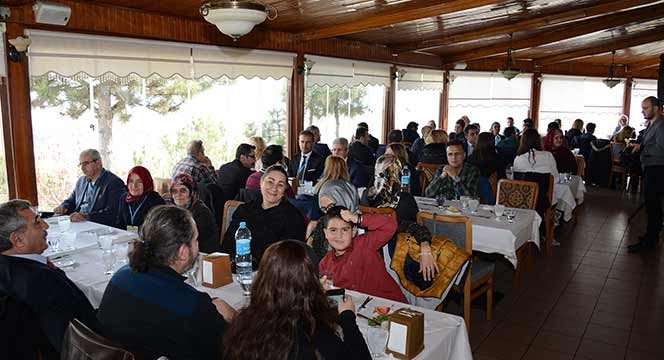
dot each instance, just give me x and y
(242, 247)
(405, 179)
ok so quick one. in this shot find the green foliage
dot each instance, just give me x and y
(338, 101)
(274, 129)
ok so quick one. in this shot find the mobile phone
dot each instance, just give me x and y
(335, 292)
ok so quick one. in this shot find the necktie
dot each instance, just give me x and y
(303, 166)
(51, 265)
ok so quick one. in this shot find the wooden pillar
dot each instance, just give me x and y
(627, 96)
(535, 92)
(390, 100)
(7, 136)
(24, 183)
(443, 110)
(296, 104)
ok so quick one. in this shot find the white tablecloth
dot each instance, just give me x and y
(445, 335)
(492, 236)
(568, 196)
(85, 236)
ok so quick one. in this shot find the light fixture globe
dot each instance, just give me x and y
(235, 18)
(509, 74)
(611, 82)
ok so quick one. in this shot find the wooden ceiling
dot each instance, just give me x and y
(542, 33)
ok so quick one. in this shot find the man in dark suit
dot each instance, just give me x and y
(306, 165)
(373, 142)
(359, 176)
(410, 133)
(359, 149)
(232, 176)
(30, 280)
(319, 148)
(97, 193)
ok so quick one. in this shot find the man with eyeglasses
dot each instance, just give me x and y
(232, 176)
(97, 193)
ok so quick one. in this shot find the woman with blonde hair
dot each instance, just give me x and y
(399, 152)
(574, 134)
(434, 150)
(623, 135)
(259, 143)
(335, 169)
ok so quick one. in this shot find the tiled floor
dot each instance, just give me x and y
(589, 300)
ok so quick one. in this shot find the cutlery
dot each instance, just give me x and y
(365, 302)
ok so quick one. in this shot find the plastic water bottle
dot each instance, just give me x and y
(405, 180)
(243, 257)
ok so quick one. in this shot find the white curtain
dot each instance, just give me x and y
(420, 79)
(3, 56)
(217, 61)
(343, 72)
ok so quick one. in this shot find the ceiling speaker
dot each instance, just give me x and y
(51, 13)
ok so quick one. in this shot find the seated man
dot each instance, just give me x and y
(319, 148)
(410, 133)
(457, 178)
(148, 307)
(359, 150)
(96, 196)
(472, 133)
(359, 176)
(196, 164)
(418, 145)
(306, 165)
(373, 142)
(29, 280)
(585, 140)
(232, 176)
(506, 148)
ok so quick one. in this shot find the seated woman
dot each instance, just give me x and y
(622, 136)
(485, 158)
(554, 141)
(531, 158)
(335, 169)
(140, 198)
(260, 146)
(434, 150)
(289, 316)
(354, 260)
(272, 155)
(399, 152)
(574, 134)
(270, 217)
(184, 194)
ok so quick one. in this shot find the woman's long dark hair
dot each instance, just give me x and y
(530, 142)
(486, 147)
(287, 303)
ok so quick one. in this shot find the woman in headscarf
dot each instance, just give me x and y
(184, 194)
(332, 193)
(386, 193)
(554, 141)
(140, 198)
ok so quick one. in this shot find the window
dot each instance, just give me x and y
(488, 97)
(337, 110)
(641, 89)
(419, 106)
(569, 98)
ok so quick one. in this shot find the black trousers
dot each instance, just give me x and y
(654, 191)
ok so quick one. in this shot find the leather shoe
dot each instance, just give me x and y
(643, 245)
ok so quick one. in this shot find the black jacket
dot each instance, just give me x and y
(208, 233)
(330, 346)
(314, 170)
(373, 143)
(434, 153)
(51, 298)
(281, 222)
(232, 177)
(152, 199)
(361, 153)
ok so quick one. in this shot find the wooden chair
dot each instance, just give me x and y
(616, 168)
(522, 195)
(229, 209)
(581, 166)
(479, 277)
(545, 184)
(493, 180)
(383, 211)
(81, 343)
(427, 172)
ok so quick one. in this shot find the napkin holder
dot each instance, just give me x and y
(406, 334)
(217, 270)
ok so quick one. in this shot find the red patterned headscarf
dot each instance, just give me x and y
(146, 178)
(188, 182)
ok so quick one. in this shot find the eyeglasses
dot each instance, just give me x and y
(251, 156)
(86, 163)
(327, 208)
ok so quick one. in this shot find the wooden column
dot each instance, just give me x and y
(24, 183)
(296, 104)
(535, 92)
(443, 110)
(390, 100)
(7, 136)
(627, 96)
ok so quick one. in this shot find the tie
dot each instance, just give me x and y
(51, 265)
(302, 168)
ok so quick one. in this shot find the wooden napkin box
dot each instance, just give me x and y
(217, 270)
(406, 334)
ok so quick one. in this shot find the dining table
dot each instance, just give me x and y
(492, 234)
(568, 194)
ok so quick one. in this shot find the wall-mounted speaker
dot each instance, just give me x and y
(47, 12)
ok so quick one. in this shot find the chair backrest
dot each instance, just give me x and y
(493, 180)
(81, 343)
(545, 183)
(427, 172)
(383, 211)
(581, 165)
(162, 186)
(459, 229)
(518, 193)
(229, 208)
(616, 148)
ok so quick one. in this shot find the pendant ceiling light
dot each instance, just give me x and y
(509, 73)
(236, 18)
(611, 81)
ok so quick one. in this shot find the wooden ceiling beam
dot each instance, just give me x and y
(562, 32)
(410, 11)
(643, 64)
(641, 38)
(510, 26)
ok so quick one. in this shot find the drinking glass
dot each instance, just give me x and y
(108, 258)
(64, 223)
(192, 274)
(377, 339)
(105, 242)
(53, 242)
(568, 177)
(440, 200)
(499, 210)
(472, 205)
(511, 214)
(464, 202)
(245, 281)
(68, 241)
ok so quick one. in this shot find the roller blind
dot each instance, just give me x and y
(420, 79)
(343, 72)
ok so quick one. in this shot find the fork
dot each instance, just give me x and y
(365, 302)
